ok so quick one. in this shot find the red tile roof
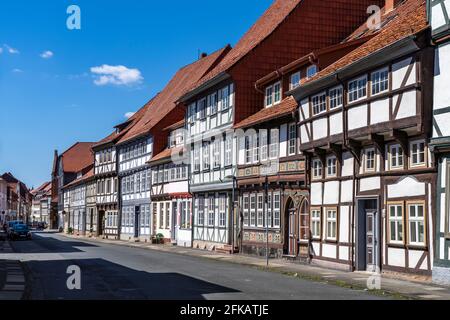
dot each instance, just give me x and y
(286, 107)
(166, 154)
(86, 177)
(77, 157)
(176, 125)
(44, 187)
(407, 19)
(165, 101)
(263, 28)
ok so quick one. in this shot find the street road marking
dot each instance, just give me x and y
(430, 296)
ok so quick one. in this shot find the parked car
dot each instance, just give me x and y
(20, 231)
(11, 224)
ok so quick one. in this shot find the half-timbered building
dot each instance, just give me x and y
(171, 200)
(439, 13)
(364, 125)
(226, 96)
(269, 153)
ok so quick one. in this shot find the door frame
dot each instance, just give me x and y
(361, 234)
(291, 211)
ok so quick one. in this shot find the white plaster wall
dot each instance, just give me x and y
(344, 253)
(329, 251)
(175, 187)
(442, 215)
(399, 70)
(303, 134)
(396, 257)
(241, 156)
(406, 187)
(316, 248)
(331, 192)
(414, 257)
(347, 191)
(442, 77)
(438, 19)
(283, 140)
(367, 184)
(347, 167)
(343, 224)
(320, 128)
(379, 111)
(357, 117)
(305, 107)
(442, 121)
(407, 105)
(316, 194)
(336, 123)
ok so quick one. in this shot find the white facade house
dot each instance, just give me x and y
(135, 179)
(212, 144)
(439, 12)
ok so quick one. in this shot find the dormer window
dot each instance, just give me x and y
(273, 94)
(295, 81)
(311, 71)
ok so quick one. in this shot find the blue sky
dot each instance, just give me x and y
(52, 94)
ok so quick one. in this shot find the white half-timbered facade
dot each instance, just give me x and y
(105, 215)
(439, 11)
(364, 130)
(135, 179)
(171, 200)
(91, 208)
(211, 140)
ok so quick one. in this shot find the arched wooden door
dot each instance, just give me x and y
(291, 213)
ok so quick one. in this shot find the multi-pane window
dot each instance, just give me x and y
(311, 71)
(319, 103)
(315, 223)
(213, 103)
(211, 211)
(331, 167)
(276, 210)
(369, 160)
(201, 211)
(228, 150)
(161, 215)
(380, 81)
(196, 158)
(222, 211)
(269, 217)
(395, 223)
(225, 98)
(417, 150)
(331, 225)
(292, 138)
(253, 210)
(167, 219)
(317, 169)
(396, 156)
(255, 147)
(263, 143)
(206, 160)
(357, 89)
(274, 140)
(295, 81)
(336, 99)
(273, 94)
(202, 109)
(260, 207)
(416, 223)
(246, 207)
(248, 149)
(216, 153)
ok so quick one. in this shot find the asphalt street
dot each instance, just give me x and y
(119, 272)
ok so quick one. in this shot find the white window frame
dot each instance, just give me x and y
(396, 148)
(217, 146)
(222, 211)
(311, 71)
(331, 221)
(274, 144)
(292, 138)
(317, 169)
(397, 221)
(211, 211)
(336, 95)
(319, 103)
(264, 148)
(201, 211)
(316, 223)
(248, 148)
(367, 151)
(276, 209)
(357, 90)
(252, 222)
(260, 210)
(255, 140)
(246, 209)
(331, 167)
(417, 221)
(292, 84)
(376, 85)
(418, 153)
(228, 150)
(273, 94)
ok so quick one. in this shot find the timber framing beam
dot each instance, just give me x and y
(355, 148)
(336, 149)
(378, 141)
(321, 153)
(401, 137)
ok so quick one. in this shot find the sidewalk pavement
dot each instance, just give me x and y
(391, 285)
(12, 278)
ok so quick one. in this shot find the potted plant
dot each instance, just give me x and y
(70, 230)
(159, 238)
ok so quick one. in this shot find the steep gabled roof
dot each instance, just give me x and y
(86, 177)
(263, 28)
(166, 100)
(408, 19)
(77, 157)
(42, 188)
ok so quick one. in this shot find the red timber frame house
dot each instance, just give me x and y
(227, 96)
(364, 124)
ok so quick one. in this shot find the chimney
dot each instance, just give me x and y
(203, 55)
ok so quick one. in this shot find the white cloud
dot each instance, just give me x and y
(17, 70)
(11, 50)
(46, 54)
(128, 115)
(117, 75)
